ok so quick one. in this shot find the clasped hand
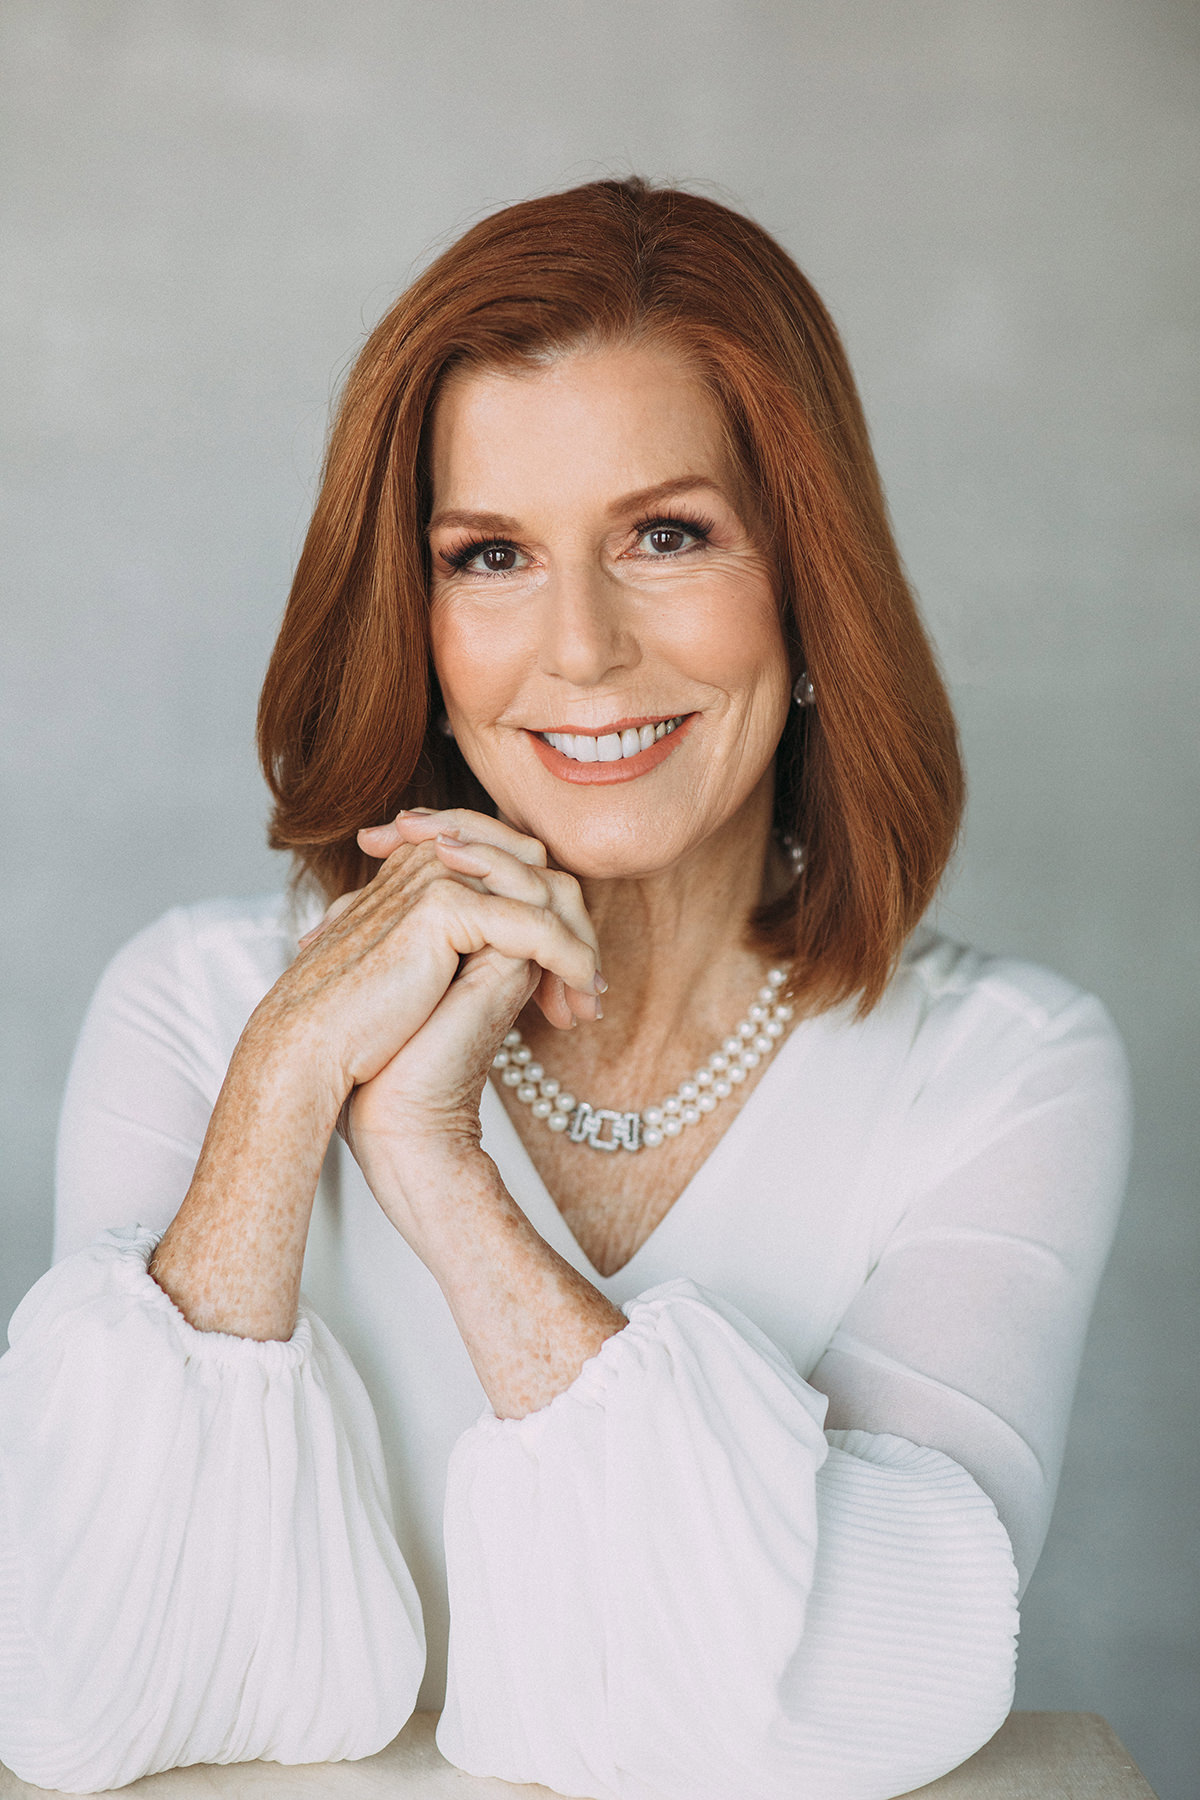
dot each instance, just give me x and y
(404, 990)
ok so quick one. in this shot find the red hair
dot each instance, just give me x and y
(869, 779)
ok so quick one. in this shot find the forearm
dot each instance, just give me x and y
(232, 1257)
(529, 1321)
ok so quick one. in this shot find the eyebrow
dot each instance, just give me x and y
(641, 497)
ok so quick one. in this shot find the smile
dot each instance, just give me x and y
(622, 753)
(609, 746)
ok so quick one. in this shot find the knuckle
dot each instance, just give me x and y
(399, 858)
(420, 864)
(432, 891)
(566, 886)
(441, 885)
(563, 938)
(400, 877)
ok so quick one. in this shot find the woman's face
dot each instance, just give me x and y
(605, 624)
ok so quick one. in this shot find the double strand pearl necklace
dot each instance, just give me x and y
(754, 1038)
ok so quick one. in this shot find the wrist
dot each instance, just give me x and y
(528, 1319)
(288, 1061)
(427, 1183)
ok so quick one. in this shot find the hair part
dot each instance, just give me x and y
(869, 779)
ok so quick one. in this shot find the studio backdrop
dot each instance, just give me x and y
(206, 207)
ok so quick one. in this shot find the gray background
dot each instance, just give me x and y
(206, 204)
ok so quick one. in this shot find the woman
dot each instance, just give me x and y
(735, 1320)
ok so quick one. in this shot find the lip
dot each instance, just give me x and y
(607, 730)
(599, 774)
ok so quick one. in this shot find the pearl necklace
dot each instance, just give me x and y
(755, 1037)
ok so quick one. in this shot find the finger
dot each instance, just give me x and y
(506, 875)
(517, 929)
(553, 999)
(381, 840)
(503, 873)
(419, 826)
(563, 1007)
(487, 997)
(480, 1005)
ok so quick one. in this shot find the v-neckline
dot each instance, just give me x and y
(690, 1194)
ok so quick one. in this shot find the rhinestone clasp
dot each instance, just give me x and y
(587, 1123)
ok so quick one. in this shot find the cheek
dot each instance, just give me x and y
(476, 660)
(737, 643)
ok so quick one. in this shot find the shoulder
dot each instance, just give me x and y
(958, 995)
(983, 1031)
(213, 936)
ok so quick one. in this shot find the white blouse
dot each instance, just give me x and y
(668, 1584)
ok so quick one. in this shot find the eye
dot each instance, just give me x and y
(493, 557)
(665, 538)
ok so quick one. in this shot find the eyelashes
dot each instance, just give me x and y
(702, 529)
(693, 526)
(458, 559)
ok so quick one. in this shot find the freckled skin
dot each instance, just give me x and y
(391, 1014)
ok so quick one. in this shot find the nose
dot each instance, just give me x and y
(586, 632)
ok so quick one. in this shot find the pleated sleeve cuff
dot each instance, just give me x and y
(197, 1558)
(670, 1584)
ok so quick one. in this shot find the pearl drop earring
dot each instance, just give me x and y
(796, 854)
(444, 725)
(802, 695)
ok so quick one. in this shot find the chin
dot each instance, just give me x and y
(622, 856)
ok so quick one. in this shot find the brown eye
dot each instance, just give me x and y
(661, 539)
(481, 558)
(498, 558)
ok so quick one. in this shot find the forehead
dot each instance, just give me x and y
(587, 423)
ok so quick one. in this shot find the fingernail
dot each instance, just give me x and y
(599, 985)
(450, 837)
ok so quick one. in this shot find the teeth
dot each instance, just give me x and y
(614, 746)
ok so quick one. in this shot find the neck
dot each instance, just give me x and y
(673, 944)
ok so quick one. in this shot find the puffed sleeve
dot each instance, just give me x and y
(672, 1582)
(970, 1329)
(197, 1556)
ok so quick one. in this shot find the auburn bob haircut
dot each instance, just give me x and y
(868, 779)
